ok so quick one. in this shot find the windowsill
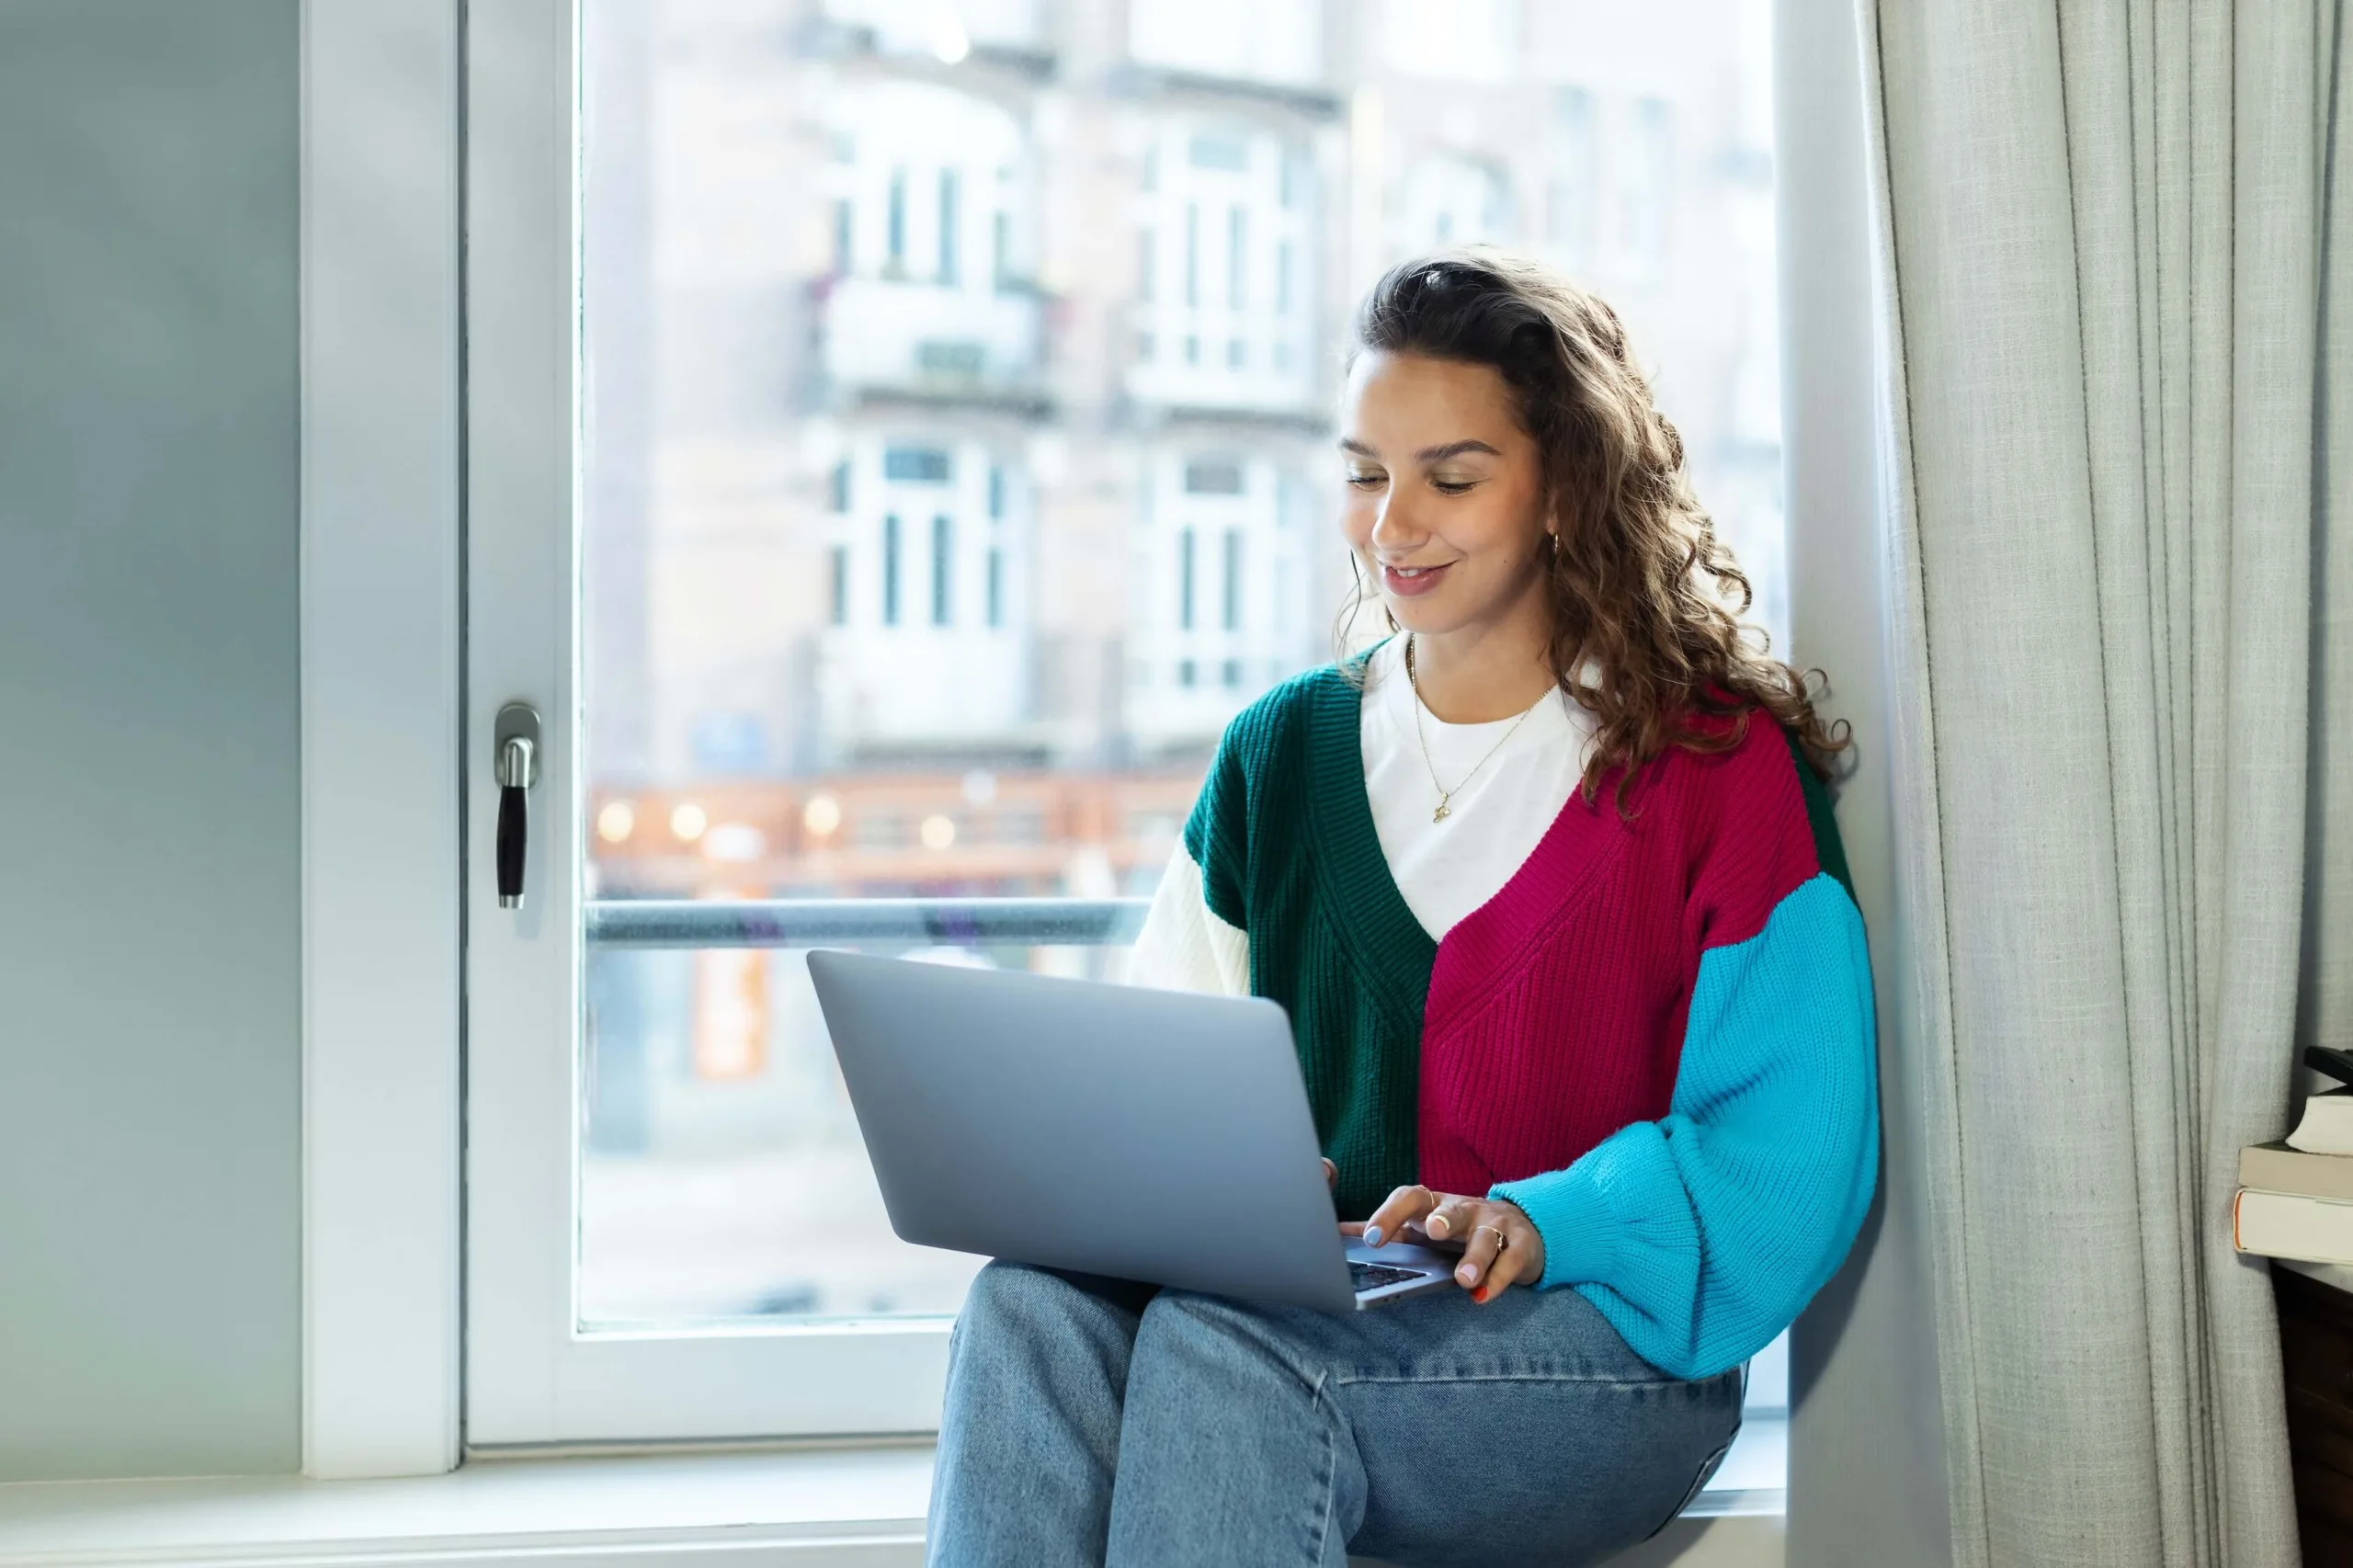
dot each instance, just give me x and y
(839, 1505)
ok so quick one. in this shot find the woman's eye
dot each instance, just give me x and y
(1453, 486)
(1368, 481)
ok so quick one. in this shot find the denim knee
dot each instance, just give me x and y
(1047, 1303)
(1011, 1298)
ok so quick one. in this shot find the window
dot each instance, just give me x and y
(943, 544)
(1237, 257)
(1650, 178)
(895, 235)
(948, 222)
(842, 487)
(920, 465)
(1192, 255)
(1213, 476)
(1220, 151)
(1575, 172)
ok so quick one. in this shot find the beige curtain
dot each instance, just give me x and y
(2105, 227)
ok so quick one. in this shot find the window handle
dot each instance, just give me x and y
(518, 739)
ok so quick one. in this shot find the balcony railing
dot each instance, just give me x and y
(815, 922)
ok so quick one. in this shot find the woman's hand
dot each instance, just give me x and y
(1500, 1247)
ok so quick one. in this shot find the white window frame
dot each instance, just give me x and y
(532, 1376)
(379, 692)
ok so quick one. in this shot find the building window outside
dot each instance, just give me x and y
(943, 544)
(1001, 252)
(1577, 163)
(1213, 476)
(1231, 592)
(949, 219)
(997, 587)
(1237, 257)
(918, 465)
(845, 222)
(1185, 579)
(1192, 255)
(1650, 179)
(838, 611)
(1217, 150)
(837, 486)
(894, 242)
(890, 569)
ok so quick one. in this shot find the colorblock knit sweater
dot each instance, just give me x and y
(1657, 1037)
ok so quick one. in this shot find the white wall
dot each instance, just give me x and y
(149, 914)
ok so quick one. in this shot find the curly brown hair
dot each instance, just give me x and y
(1639, 584)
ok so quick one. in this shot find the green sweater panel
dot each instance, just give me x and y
(1283, 833)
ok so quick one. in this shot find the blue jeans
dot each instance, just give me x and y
(1090, 1421)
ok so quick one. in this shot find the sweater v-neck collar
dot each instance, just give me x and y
(1422, 979)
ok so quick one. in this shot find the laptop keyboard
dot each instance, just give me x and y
(1373, 1276)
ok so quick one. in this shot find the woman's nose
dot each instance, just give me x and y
(1393, 525)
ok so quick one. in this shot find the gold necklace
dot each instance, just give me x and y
(1445, 794)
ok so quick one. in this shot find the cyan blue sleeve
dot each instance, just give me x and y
(1701, 1235)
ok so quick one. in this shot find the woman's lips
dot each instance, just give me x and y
(1420, 581)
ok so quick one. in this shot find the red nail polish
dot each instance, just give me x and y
(1480, 1295)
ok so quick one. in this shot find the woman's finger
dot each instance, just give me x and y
(1401, 1208)
(1444, 1223)
(1510, 1267)
(1518, 1251)
(1331, 1174)
(1482, 1240)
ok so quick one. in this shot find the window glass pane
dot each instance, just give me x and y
(958, 462)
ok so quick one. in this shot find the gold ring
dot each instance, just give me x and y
(1502, 1241)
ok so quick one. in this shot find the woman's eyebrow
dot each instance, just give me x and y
(1427, 454)
(1454, 450)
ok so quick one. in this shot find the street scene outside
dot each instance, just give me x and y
(959, 389)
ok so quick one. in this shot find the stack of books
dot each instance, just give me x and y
(2295, 1199)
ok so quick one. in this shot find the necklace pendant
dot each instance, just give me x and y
(1443, 810)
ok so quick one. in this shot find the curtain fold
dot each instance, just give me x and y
(2105, 297)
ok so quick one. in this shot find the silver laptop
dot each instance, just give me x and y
(1161, 1136)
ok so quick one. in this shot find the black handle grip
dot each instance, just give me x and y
(514, 818)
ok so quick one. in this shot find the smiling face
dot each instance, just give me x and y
(1445, 507)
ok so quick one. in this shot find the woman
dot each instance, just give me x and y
(1548, 885)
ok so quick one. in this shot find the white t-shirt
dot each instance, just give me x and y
(1448, 867)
